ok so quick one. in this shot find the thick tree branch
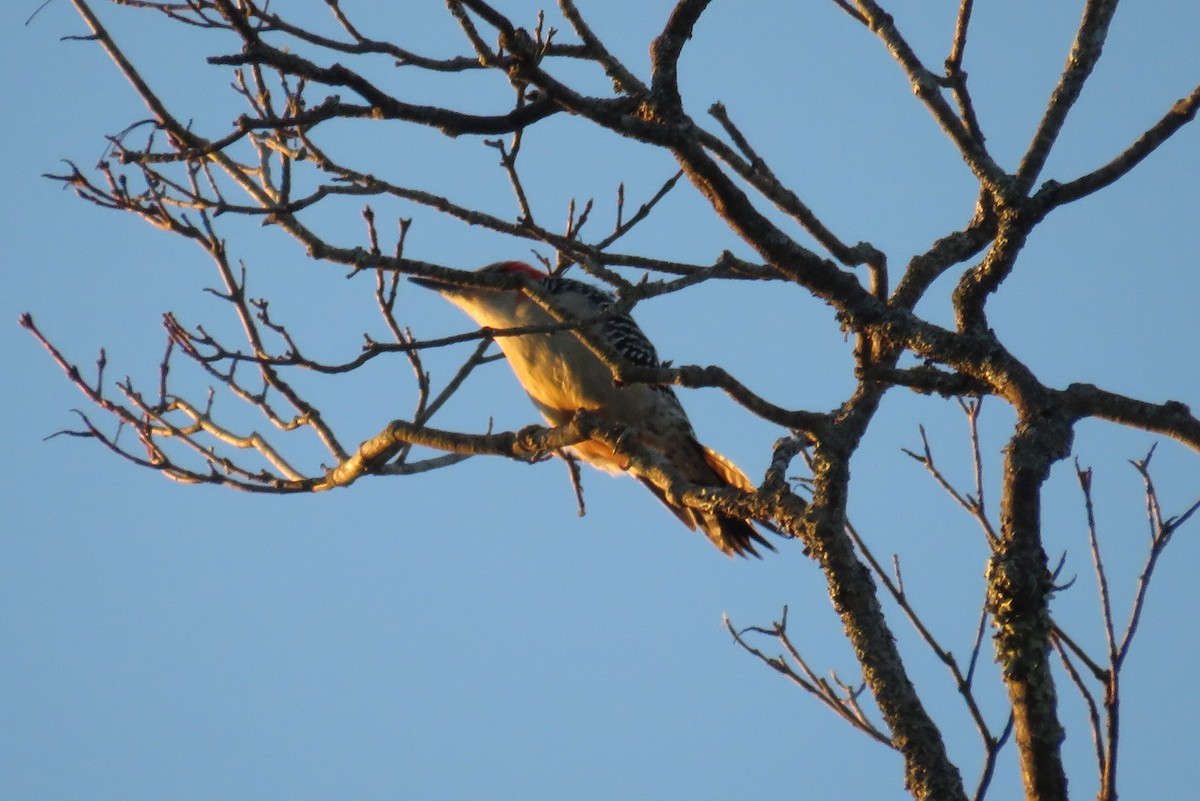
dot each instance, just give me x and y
(1181, 113)
(665, 52)
(1085, 52)
(1172, 419)
(1019, 589)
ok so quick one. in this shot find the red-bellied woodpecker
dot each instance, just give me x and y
(562, 376)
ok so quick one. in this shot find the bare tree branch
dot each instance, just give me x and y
(1181, 113)
(1085, 52)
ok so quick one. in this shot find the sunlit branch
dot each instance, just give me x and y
(1085, 52)
(895, 587)
(1181, 113)
(1172, 419)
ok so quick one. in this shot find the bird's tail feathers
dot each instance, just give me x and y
(735, 536)
(728, 472)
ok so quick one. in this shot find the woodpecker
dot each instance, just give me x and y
(562, 376)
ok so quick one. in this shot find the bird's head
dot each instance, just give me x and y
(499, 302)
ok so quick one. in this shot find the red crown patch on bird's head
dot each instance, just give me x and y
(515, 268)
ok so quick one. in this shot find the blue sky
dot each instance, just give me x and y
(464, 633)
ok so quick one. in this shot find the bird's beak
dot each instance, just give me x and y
(446, 290)
(429, 283)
